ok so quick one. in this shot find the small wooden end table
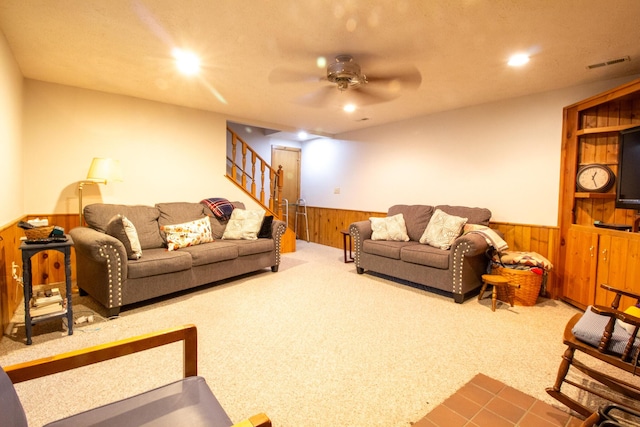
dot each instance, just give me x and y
(345, 235)
(496, 281)
(29, 250)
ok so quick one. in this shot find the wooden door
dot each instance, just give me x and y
(289, 159)
(580, 266)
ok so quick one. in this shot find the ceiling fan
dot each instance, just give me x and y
(350, 84)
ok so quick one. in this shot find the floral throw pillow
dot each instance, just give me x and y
(244, 224)
(442, 230)
(188, 234)
(389, 228)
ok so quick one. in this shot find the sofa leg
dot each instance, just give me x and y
(359, 270)
(274, 268)
(113, 312)
(458, 298)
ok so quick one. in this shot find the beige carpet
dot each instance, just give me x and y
(313, 345)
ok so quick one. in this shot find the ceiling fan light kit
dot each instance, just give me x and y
(345, 72)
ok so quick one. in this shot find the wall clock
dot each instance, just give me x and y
(595, 178)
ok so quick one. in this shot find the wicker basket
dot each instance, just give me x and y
(529, 282)
(38, 232)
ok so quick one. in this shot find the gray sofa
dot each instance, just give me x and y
(456, 271)
(105, 272)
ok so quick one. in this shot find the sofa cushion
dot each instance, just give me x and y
(416, 218)
(178, 213)
(190, 233)
(385, 248)
(442, 230)
(474, 215)
(250, 247)
(389, 228)
(244, 224)
(159, 261)
(212, 252)
(144, 219)
(426, 255)
(124, 230)
(266, 229)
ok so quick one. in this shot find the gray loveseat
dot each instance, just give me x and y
(105, 272)
(456, 271)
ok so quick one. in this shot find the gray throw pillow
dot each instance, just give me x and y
(124, 230)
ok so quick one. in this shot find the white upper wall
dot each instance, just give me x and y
(11, 189)
(504, 156)
(168, 153)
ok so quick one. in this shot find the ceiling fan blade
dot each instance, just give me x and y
(407, 78)
(366, 95)
(285, 75)
(319, 98)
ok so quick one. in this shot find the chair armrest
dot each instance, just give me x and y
(619, 292)
(88, 356)
(258, 420)
(620, 315)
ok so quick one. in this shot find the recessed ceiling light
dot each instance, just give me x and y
(187, 62)
(518, 60)
(349, 108)
(302, 135)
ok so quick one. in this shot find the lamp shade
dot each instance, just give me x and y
(104, 170)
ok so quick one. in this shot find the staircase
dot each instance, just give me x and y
(253, 175)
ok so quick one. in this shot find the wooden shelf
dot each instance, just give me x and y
(583, 195)
(605, 129)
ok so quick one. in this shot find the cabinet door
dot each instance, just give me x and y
(617, 267)
(580, 268)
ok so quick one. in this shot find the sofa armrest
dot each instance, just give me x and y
(474, 244)
(101, 265)
(359, 231)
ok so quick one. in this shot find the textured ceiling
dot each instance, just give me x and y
(250, 51)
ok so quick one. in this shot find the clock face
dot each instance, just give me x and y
(596, 178)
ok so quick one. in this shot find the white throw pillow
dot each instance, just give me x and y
(244, 224)
(389, 228)
(442, 230)
(124, 230)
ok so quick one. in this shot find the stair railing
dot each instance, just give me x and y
(239, 173)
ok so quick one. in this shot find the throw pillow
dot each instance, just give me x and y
(188, 234)
(244, 224)
(633, 311)
(123, 229)
(221, 208)
(266, 227)
(389, 228)
(442, 230)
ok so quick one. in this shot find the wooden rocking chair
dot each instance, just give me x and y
(598, 334)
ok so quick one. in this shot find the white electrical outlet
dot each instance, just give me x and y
(14, 269)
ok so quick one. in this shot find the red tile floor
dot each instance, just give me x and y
(485, 402)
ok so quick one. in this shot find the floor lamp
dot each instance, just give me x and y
(101, 171)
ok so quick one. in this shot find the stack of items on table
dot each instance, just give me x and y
(527, 269)
(46, 301)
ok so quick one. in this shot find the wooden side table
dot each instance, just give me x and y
(345, 235)
(496, 281)
(28, 251)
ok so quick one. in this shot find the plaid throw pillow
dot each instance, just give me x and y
(221, 208)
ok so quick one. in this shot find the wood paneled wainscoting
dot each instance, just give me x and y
(325, 225)
(46, 267)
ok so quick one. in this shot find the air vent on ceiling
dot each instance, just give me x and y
(609, 62)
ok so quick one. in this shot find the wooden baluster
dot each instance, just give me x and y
(244, 165)
(253, 173)
(234, 143)
(272, 187)
(279, 192)
(262, 166)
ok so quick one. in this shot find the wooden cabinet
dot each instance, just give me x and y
(588, 255)
(596, 256)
